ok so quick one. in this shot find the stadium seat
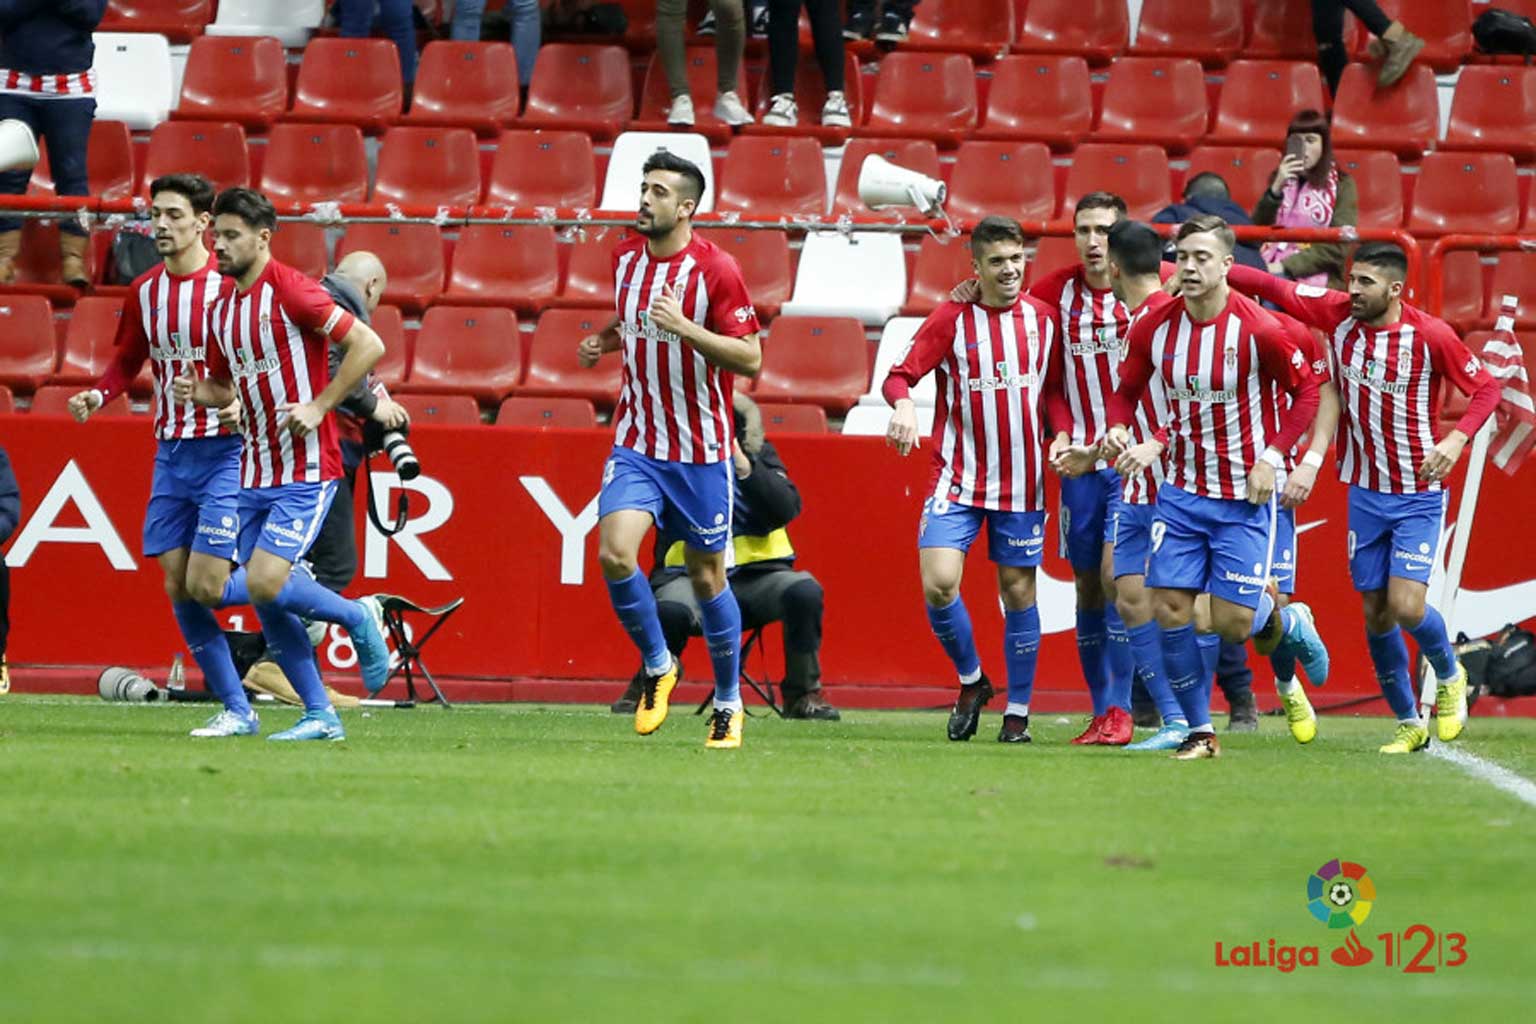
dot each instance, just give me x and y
(428, 167)
(1259, 97)
(134, 82)
(1404, 118)
(290, 21)
(621, 185)
(348, 81)
(1444, 25)
(872, 421)
(37, 266)
(1282, 30)
(779, 418)
(28, 344)
(552, 367)
(1465, 192)
(1011, 178)
(108, 164)
(703, 71)
(441, 410)
(413, 254)
(216, 148)
(1044, 97)
(1052, 254)
(1097, 30)
(534, 168)
(925, 94)
(766, 176)
(1154, 99)
(389, 325)
(941, 264)
(89, 345)
(547, 413)
(1514, 274)
(1210, 31)
(1379, 183)
(467, 351)
(811, 91)
(53, 400)
(1464, 297)
(817, 360)
(1494, 108)
(919, 155)
(504, 266)
(765, 267)
(302, 246)
(981, 28)
(895, 341)
(180, 21)
(589, 270)
(315, 163)
(1137, 173)
(7, 401)
(862, 274)
(469, 85)
(232, 78)
(1247, 171)
(582, 87)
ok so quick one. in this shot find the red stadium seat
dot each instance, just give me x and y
(1465, 192)
(1379, 183)
(441, 410)
(703, 86)
(180, 21)
(1444, 25)
(1157, 100)
(820, 361)
(1404, 118)
(586, 87)
(1139, 174)
(37, 266)
(918, 155)
(1464, 297)
(1494, 108)
(504, 266)
(349, 81)
(589, 273)
(28, 344)
(543, 169)
(552, 366)
(389, 325)
(982, 28)
(1514, 274)
(1210, 31)
(1259, 97)
(764, 260)
(793, 419)
(1247, 171)
(1011, 178)
(463, 84)
(89, 345)
(811, 91)
(235, 78)
(1096, 30)
(215, 148)
(108, 163)
(315, 163)
(547, 413)
(1282, 30)
(773, 176)
(925, 94)
(53, 400)
(302, 246)
(941, 264)
(413, 255)
(468, 351)
(428, 167)
(7, 401)
(1051, 255)
(1045, 97)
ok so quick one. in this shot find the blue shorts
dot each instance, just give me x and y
(284, 519)
(193, 497)
(1013, 538)
(1283, 568)
(1220, 546)
(1393, 535)
(688, 501)
(1133, 538)
(1088, 506)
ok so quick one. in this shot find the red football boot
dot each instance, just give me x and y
(1118, 729)
(1090, 735)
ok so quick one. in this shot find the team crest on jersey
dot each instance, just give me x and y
(1231, 357)
(1404, 363)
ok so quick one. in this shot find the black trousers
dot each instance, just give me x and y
(65, 124)
(333, 556)
(5, 604)
(1328, 27)
(784, 42)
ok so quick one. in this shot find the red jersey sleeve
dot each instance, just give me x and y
(1450, 357)
(1135, 370)
(730, 307)
(216, 360)
(1288, 366)
(1301, 336)
(1322, 308)
(311, 306)
(933, 339)
(129, 350)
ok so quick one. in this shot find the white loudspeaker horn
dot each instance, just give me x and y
(18, 146)
(883, 184)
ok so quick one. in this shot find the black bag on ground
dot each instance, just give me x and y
(1502, 665)
(133, 253)
(1499, 31)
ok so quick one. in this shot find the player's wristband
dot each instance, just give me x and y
(101, 399)
(1273, 457)
(1313, 459)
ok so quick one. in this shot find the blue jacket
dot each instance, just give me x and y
(1227, 210)
(49, 37)
(10, 499)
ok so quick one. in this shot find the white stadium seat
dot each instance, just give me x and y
(862, 275)
(871, 421)
(621, 187)
(292, 21)
(894, 342)
(134, 82)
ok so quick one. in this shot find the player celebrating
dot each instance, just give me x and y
(685, 324)
(1223, 363)
(991, 358)
(1391, 359)
(271, 326)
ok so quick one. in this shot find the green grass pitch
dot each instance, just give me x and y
(512, 863)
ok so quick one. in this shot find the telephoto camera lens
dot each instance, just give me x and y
(124, 684)
(402, 455)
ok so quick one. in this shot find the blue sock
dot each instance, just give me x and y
(307, 599)
(1182, 657)
(1091, 638)
(1390, 656)
(1021, 648)
(1435, 641)
(1262, 613)
(234, 589)
(288, 645)
(721, 617)
(1147, 644)
(210, 649)
(952, 626)
(1120, 660)
(636, 607)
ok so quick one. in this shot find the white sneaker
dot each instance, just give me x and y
(730, 109)
(783, 112)
(226, 723)
(681, 112)
(834, 113)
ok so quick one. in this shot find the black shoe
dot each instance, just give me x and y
(1145, 716)
(626, 704)
(966, 716)
(893, 28)
(1015, 730)
(809, 706)
(860, 24)
(1244, 716)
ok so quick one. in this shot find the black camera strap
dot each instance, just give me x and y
(402, 503)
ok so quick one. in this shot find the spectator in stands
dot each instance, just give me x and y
(764, 577)
(1308, 191)
(10, 518)
(1205, 193)
(1394, 45)
(525, 22)
(895, 20)
(730, 34)
(46, 54)
(784, 60)
(355, 18)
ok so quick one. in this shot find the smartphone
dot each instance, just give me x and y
(1295, 146)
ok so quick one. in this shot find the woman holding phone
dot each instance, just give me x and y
(1308, 191)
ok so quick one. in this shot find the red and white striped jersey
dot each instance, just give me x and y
(1093, 324)
(76, 85)
(991, 367)
(1224, 379)
(165, 320)
(1316, 354)
(1151, 417)
(674, 405)
(271, 340)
